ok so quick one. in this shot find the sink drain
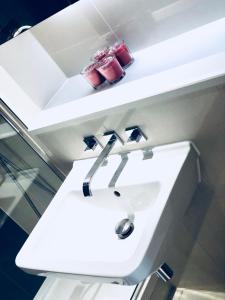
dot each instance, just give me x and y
(117, 194)
(124, 228)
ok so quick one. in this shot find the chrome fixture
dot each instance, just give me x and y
(91, 143)
(113, 138)
(124, 228)
(135, 134)
(147, 153)
(21, 30)
(164, 272)
(124, 160)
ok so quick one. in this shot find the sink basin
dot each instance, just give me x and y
(76, 235)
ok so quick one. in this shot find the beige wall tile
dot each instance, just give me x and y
(202, 273)
(198, 295)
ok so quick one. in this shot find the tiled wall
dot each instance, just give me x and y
(183, 294)
(72, 35)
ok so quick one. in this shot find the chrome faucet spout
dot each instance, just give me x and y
(98, 163)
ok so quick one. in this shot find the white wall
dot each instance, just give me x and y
(35, 65)
(72, 35)
(31, 68)
(15, 97)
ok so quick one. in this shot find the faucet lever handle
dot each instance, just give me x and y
(91, 142)
(112, 135)
(124, 160)
(135, 134)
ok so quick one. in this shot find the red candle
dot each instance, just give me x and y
(100, 54)
(91, 74)
(122, 54)
(111, 69)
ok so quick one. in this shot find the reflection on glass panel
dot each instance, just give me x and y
(27, 183)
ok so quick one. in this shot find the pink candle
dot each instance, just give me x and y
(122, 54)
(91, 74)
(100, 54)
(111, 69)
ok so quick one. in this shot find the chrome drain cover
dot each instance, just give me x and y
(124, 228)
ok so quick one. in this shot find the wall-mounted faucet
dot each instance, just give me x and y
(134, 133)
(124, 160)
(113, 138)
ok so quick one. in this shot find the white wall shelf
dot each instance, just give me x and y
(188, 59)
(186, 70)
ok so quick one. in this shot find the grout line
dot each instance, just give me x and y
(179, 294)
(103, 19)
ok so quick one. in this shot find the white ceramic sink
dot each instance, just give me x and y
(76, 235)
